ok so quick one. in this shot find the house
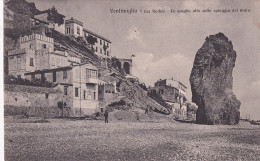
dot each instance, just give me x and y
(23, 60)
(37, 52)
(74, 27)
(107, 90)
(101, 48)
(79, 84)
(172, 92)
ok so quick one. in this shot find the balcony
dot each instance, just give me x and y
(91, 80)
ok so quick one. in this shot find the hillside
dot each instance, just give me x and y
(130, 90)
(22, 7)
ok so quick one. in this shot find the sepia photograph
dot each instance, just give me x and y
(131, 80)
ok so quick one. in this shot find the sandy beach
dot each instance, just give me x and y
(67, 139)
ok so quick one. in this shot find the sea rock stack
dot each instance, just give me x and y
(211, 82)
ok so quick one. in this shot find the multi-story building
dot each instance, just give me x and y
(23, 60)
(174, 84)
(79, 83)
(101, 48)
(172, 92)
(74, 27)
(37, 42)
(37, 52)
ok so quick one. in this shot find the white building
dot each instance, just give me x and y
(74, 27)
(79, 84)
(101, 48)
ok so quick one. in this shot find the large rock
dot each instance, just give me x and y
(211, 82)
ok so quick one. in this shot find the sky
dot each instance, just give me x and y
(165, 45)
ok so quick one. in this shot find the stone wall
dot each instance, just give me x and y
(31, 101)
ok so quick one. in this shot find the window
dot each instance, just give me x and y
(76, 92)
(100, 42)
(96, 49)
(161, 91)
(84, 94)
(31, 61)
(94, 95)
(44, 46)
(91, 73)
(100, 50)
(68, 30)
(46, 95)
(54, 76)
(31, 46)
(107, 53)
(43, 77)
(58, 61)
(78, 30)
(107, 44)
(65, 75)
(33, 76)
(65, 90)
(88, 74)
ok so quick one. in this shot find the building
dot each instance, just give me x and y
(74, 27)
(172, 92)
(32, 101)
(79, 84)
(101, 48)
(37, 42)
(23, 60)
(37, 59)
(174, 84)
(37, 52)
(107, 90)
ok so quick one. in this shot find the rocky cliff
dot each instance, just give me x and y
(211, 82)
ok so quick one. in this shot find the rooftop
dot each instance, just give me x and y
(72, 20)
(97, 35)
(48, 70)
(172, 80)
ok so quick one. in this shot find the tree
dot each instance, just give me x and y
(55, 17)
(61, 106)
(91, 40)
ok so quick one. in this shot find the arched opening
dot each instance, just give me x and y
(127, 68)
(118, 66)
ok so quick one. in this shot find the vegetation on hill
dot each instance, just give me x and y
(22, 7)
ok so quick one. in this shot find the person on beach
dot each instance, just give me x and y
(146, 111)
(106, 116)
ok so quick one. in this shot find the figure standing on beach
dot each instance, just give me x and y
(106, 116)
(146, 111)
